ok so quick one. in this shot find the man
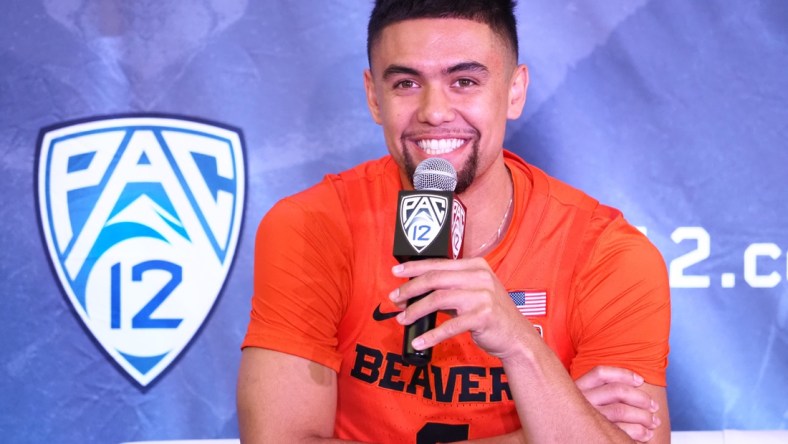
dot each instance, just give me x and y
(321, 359)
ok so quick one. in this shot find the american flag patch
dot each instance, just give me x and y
(530, 303)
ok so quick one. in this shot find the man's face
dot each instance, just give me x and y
(444, 88)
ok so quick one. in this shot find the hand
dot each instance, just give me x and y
(467, 289)
(615, 394)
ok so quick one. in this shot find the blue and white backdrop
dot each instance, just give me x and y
(142, 141)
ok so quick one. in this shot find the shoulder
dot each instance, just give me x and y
(621, 246)
(597, 231)
(557, 191)
(556, 202)
(548, 193)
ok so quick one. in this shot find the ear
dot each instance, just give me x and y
(372, 98)
(517, 92)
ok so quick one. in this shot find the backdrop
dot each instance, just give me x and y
(673, 111)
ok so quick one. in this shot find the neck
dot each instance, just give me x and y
(489, 206)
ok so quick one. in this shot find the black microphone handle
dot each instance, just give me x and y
(409, 245)
(412, 356)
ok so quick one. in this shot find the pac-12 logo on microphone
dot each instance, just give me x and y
(457, 227)
(141, 217)
(422, 217)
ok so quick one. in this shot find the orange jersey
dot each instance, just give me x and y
(590, 283)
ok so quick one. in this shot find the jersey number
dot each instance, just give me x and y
(435, 432)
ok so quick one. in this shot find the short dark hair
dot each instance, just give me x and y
(497, 14)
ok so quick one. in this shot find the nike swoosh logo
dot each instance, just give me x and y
(380, 316)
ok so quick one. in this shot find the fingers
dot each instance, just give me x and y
(612, 393)
(616, 394)
(608, 385)
(624, 413)
(601, 375)
(470, 315)
(445, 330)
(465, 288)
(637, 432)
(417, 268)
(458, 301)
(435, 274)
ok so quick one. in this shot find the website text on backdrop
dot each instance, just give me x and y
(552, 327)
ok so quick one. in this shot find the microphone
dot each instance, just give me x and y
(430, 224)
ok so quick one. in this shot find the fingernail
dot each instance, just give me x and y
(649, 435)
(638, 378)
(397, 268)
(393, 295)
(401, 317)
(418, 343)
(654, 406)
(655, 419)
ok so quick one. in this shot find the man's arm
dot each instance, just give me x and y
(469, 289)
(640, 410)
(538, 378)
(270, 410)
(285, 398)
(621, 396)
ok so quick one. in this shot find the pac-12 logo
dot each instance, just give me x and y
(141, 217)
(422, 217)
(457, 227)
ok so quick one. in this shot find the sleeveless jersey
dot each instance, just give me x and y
(590, 283)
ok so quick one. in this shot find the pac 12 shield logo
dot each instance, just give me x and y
(141, 217)
(422, 217)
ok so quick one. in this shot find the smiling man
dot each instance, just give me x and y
(321, 358)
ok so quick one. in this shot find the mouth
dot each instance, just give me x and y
(434, 147)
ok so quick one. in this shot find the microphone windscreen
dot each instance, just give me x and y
(435, 174)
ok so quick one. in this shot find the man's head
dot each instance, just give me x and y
(497, 14)
(442, 82)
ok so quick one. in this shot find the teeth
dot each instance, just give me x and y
(439, 146)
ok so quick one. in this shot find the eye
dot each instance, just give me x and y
(465, 83)
(405, 84)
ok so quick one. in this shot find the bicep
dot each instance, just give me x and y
(621, 315)
(283, 397)
(301, 282)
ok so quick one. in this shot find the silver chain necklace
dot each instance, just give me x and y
(497, 235)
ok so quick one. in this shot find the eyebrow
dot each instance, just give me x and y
(466, 66)
(393, 70)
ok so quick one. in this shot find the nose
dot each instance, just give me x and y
(435, 107)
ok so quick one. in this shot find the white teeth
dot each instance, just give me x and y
(439, 146)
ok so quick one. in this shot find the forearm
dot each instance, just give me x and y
(251, 432)
(270, 411)
(249, 437)
(550, 407)
(319, 441)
